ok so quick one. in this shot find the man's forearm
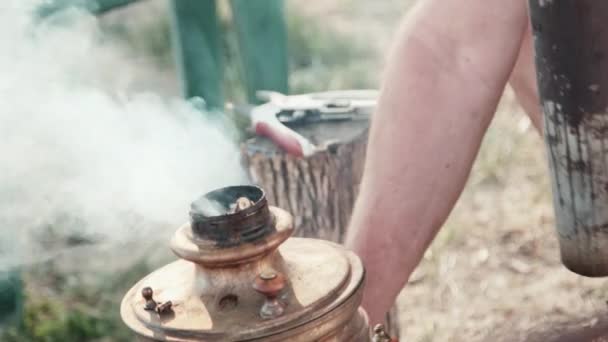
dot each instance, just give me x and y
(441, 88)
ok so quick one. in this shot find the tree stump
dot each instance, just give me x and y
(320, 190)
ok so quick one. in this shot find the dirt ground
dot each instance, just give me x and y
(493, 273)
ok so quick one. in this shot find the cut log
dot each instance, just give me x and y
(320, 190)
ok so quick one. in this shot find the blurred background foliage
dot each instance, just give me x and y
(319, 56)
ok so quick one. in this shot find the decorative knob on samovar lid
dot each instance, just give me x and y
(241, 278)
(270, 284)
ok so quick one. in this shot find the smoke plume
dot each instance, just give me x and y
(82, 154)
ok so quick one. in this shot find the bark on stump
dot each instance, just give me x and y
(320, 190)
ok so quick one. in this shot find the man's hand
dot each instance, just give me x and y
(444, 79)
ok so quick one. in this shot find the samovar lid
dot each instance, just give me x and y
(242, 278)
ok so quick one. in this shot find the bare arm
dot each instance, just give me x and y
(442, 85)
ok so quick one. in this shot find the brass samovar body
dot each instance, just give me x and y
(241, 277)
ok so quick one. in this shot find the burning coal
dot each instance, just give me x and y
(80, 151)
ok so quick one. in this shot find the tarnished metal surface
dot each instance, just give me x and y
(380, 334)
(571, 40)
(248, 221)
(234, 288)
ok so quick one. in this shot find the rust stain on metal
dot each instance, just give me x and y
(571, 42)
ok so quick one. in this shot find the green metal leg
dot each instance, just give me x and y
(197, 49)
(262, 36)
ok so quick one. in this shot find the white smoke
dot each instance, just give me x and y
(76, 143)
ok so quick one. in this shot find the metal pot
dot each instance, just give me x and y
(242, 278)
(571, 42)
